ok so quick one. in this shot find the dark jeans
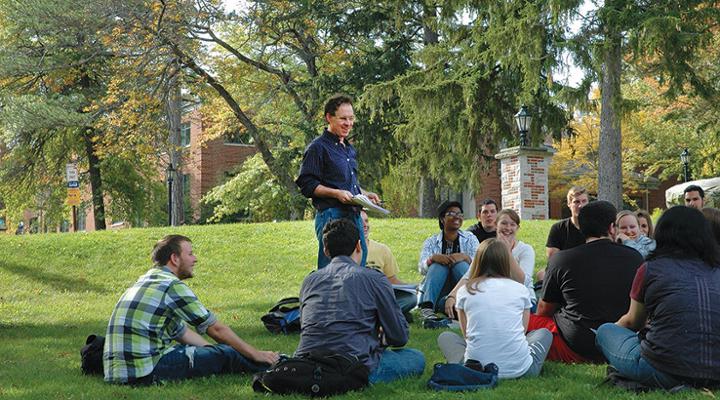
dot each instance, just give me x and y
(323, 217)
(185, 362)
(406, 301)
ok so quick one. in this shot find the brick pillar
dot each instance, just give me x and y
(524, 180)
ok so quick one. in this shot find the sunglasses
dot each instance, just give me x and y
(453, 214)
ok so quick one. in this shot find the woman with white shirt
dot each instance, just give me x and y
(507, 224)
(493, 309)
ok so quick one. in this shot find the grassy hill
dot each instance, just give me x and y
(55, 289)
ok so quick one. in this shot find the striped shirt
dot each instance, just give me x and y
(147, 318)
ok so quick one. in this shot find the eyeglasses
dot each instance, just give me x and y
(453, 214)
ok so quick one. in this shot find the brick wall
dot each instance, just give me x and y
(207, 162)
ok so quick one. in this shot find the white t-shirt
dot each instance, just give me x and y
(495, 331)
(524, 254)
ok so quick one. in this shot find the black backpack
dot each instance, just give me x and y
(283, 317)
(321, 373)
(91, 354)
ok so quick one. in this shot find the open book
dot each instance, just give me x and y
(363, 201)
(407, 287)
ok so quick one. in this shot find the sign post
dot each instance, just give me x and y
(73, 193)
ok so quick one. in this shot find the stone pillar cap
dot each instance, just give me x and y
(525, 150)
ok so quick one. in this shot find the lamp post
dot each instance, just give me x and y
(685, 158)
(523, 119)
(170, 174)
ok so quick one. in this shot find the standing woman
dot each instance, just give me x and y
(673, 304)
(493, 309)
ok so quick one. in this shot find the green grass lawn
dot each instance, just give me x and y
(55, 289)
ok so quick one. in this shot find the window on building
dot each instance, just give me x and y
(186, 185)
(185, 134)
(237, 137)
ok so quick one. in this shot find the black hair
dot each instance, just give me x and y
(167, 246)
(340, 236)
(683, 232)
(595, 218)
(487, 202)
(335, 101)
(695, 188)
(442, 208)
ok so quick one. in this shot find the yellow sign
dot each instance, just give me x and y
(73, 197)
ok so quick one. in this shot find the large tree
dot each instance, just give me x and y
(662, 38)
(55, 71)
(272, 64)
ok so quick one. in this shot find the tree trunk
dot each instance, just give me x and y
(428, 198)
(95, 180)
(174, 114)
(610, 148)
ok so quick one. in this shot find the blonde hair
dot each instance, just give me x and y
(575, 191)
(492, 260)
(625, 213)
(648, 218)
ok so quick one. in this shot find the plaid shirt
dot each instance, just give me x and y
(147, 318)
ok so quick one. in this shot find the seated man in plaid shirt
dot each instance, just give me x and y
(155, 311)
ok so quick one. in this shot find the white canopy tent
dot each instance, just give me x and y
(711, 186)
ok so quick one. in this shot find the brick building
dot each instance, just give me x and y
(208, 163)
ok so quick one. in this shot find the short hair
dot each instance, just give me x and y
(684, 233)
(442, 208)
(335, 101)
(625, 213)
(648, 218)
(488, 202)
(510, 213)
(576, 191)
(492, 259)
(596, 217)
(167, 246)
(340, 236)
(713, 217)
(695, 188)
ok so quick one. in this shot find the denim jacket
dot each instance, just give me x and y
(433, 245)
(642, 244)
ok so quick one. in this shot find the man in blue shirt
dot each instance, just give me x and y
(352, 310)
(328, 174)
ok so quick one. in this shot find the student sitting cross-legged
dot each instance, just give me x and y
(444, 259)
(670, 334)
(349, 309)
(493, 308)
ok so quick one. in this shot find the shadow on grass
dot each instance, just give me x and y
(54, 280)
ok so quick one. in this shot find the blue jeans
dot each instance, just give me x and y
(185, 362)
(436, 280)
(396, 364)
(621, 347)
(323, 217)
(406, 301)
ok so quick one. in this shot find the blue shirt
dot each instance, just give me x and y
(329, 163)
(342, 308)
